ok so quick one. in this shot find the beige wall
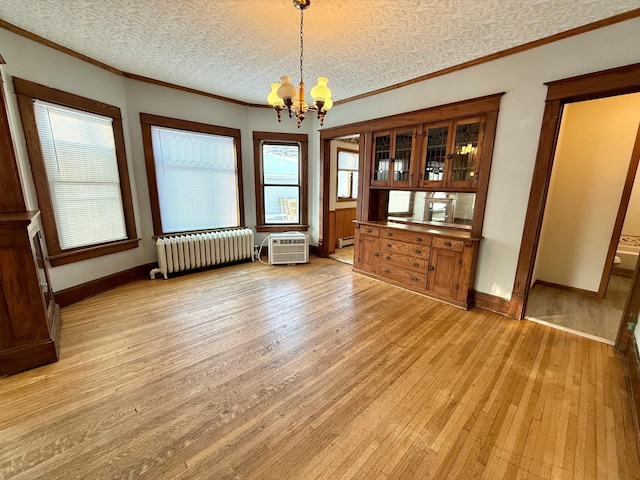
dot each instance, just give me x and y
(589, 171)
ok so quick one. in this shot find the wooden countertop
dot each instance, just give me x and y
(444, 232)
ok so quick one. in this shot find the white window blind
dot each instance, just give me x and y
(79, 154)
(196, 174)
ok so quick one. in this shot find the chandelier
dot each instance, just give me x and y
(285, 95)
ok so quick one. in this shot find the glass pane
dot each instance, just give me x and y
(281, 204)
(463, 163)
(381, 158)
(344, 184)
(440, 208)
(280, 164)
(436, 153)
(347, 160)
(197, 181)
(354, 185)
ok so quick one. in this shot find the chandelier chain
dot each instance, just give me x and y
(301, 41)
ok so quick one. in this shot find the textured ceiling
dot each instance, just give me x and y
(236, 48)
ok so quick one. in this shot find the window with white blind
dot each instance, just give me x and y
(77, 154)
(194, 175)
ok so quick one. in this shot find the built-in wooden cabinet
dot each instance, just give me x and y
(30, 320)
(393, 157)
(423, 198)
(440, 264)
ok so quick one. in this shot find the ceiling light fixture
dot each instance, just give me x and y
(284, 94)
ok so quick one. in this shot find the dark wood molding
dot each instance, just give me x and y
(504, 53)
(630, 314)
(12, 198)
(75, 294)
(26, 93)
(492, 303)
(146, 122)
(633, 368)
(622, 212)
(585, 87)
(301, 139)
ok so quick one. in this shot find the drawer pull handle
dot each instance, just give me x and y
(415, 279)
(431, 267)
(417, 250)
(368, 230)
(416, 264)
(386, 270)
(447, 244)
(389, 234)
(387, 257)
(388, 245)
(418, 239)
(377, 254)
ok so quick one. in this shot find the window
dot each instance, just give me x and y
(194, 175)
(77, 155)
(347, 175)
(281, 181)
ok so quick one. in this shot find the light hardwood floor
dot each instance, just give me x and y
(312, 372)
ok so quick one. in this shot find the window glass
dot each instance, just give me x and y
(196, 177)
(347, 186)
(281, 178)
(80, 160)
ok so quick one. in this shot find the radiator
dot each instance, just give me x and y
(345, 241)
(186, 252)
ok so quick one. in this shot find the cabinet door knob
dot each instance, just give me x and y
(416, 264)
(415, 279)
(431, 267)
(447, 244)
(387, 257)
(386, 270)
(417, 250)
(368, 230)
(377, 254)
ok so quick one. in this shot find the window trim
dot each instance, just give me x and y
(147, 121)
(300, 139)
(353, 187)
(26, 92)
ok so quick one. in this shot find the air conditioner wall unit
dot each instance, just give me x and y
(288, 248)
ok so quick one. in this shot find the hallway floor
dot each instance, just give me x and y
(344, 255)
(583, 313)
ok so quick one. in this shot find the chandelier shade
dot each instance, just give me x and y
(286, 95)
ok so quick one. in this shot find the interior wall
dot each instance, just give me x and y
(522, 77)
(589, 171)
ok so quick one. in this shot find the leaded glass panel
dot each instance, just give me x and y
(465, 149)
(436, 153)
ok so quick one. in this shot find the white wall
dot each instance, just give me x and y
(589, 171)
(522, 77)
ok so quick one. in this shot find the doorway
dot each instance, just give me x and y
(560, 93)
(584, 230)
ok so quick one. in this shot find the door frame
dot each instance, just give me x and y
(617, 81)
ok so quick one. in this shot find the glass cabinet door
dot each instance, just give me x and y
(403, 153)
(381, 159)
(464, 158)
(434, 155)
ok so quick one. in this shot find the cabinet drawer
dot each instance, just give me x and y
(410, 278)
(404, 236)
(404, 248)
(369, 230)
(419, 264)
(448, 244)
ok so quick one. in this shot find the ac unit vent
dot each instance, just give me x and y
(288, 248)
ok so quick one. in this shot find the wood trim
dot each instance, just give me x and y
(85, 253)
(504, 53)
(26, 93)
(12, 198)
(450, 111)
(630, 313)
(77, 293)
(285, 139)
(490, 123)
(161, 83)
(622, 212)
(596, 85)
(148, 120)
(633, 368)
(332, 236)
(492, 303)
(48, 43)
(567, 288)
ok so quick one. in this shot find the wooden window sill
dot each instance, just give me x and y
(92, 252)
